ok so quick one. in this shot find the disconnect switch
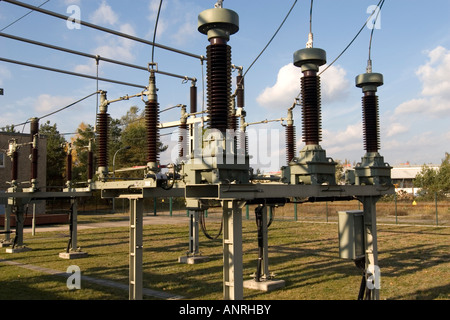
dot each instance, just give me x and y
(351, 234)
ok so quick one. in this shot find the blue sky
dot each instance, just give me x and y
(411, 49)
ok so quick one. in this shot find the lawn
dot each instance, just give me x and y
(414, 262)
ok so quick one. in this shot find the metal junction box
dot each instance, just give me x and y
(351, 234)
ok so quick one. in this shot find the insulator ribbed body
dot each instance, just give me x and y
(193, 98)
(152, 130)
(14, 166)
(183, 141)
(290, 143)
(69, 167)
(34, 163)
(102, 139)
(371, 126)
(219, 86)
(90, 165)
(311, 109)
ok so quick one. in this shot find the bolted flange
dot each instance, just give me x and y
(218, 23)
(310, 58)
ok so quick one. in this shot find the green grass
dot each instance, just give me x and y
(414, 262)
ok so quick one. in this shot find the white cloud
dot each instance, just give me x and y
(104, 15)
(435, 100)
(177, 24)
(116, 48)
(396, 128)
(4, 74)
(334, 87)
(48, 103)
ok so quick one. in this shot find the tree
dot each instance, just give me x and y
(56, 154)
(435, 181)
(80, 143)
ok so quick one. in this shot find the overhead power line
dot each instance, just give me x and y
(17, 20)
(271, 39)
(94, 26)
(71, 73)
(354, 38)
(92, 56)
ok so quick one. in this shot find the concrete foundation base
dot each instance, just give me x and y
(73, 255)
(17, 249)
(5, 244)
(192, 259)
(264, 285)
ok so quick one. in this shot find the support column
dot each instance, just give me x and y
(263, 281)
(17, 245)
(193, 256)
(7, 225)
(233, 288)
(136, 242)
(371, 248)
(72, 250)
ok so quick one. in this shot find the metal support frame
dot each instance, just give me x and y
(233, 288)
(136, 248)
(371, 246)
(193, 232)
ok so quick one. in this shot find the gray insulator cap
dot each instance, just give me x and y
(369, 81)
(218, 23)
(310, 58)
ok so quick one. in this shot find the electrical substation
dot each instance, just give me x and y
(214, 165)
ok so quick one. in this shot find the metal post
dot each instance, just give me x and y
(170, 205)
(136, 241)
(8, 209)
(371, 246)
(295, 212)
(395, 203)
(74, 204)
(33, 221)
(154, 206)
(266, 274)
(247, 211)
(233, 288)
(193, 232)
(436, 206)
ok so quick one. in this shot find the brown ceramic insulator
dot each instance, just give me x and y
(152, 130)
(290, 143)
(34, 163)
(371, 126)
(219, 85)
(34, 127)
(14, 166)
(69, 167)
(311, 108)
(90, 165)
(240, 91)
(183, 141)
(193, 97)
(102, 139)
(34, 130)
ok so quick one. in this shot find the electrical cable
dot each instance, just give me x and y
(154, 33)
(68, 106)
(71, 73)
(203, 227)
(353, 40)
(373, 28)
(17, 20)
(271, 39)
(94, 26)
(92, 56)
